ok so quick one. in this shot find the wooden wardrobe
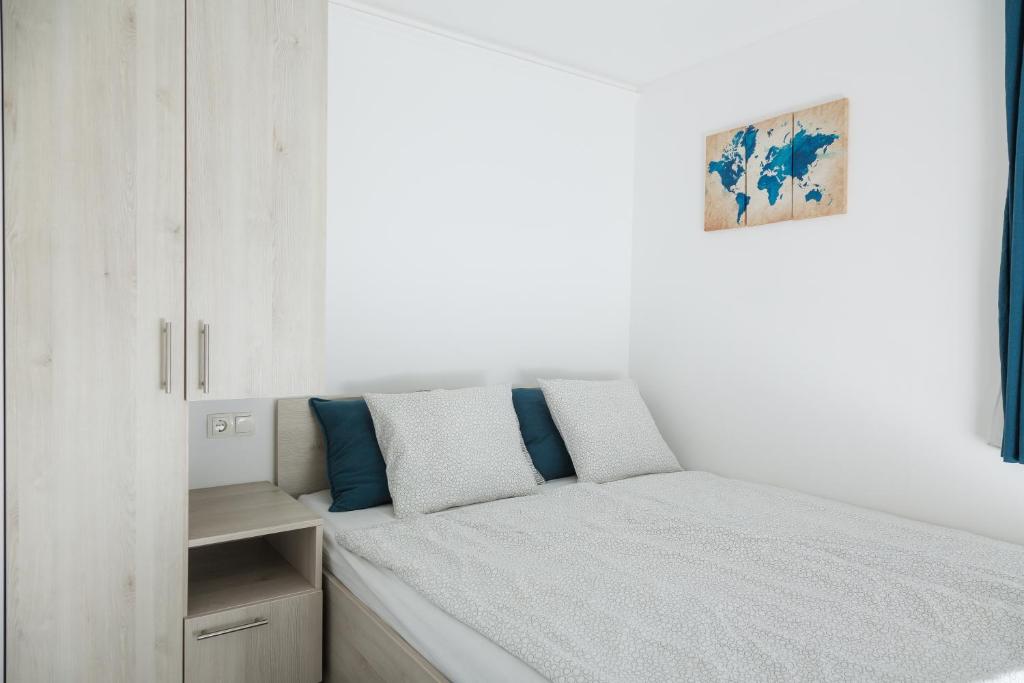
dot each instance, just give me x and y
(163, 240)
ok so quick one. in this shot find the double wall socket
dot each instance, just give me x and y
(223, 425)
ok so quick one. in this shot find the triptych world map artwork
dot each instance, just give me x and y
(788, 167)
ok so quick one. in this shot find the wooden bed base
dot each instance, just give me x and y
(360, 647)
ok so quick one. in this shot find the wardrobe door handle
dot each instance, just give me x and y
(167, 366)
(203, 635)
(204, 372)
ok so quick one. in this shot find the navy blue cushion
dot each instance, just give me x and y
(355, 466)
(545, 444)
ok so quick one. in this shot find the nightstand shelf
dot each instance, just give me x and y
(240, 573)
(255, 605)
(231, 513)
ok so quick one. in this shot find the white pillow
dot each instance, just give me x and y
(445, 448)
(607, 429)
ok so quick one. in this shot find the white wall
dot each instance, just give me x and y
(855, 356)
(479, 213)
(478, 225)
(214, 462)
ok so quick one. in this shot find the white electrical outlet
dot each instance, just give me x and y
(224, 425)
(220, 425)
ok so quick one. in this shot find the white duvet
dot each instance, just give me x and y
(689, 576)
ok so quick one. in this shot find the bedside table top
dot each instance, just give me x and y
(231, 513)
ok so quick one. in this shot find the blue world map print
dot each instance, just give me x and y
(819, 160)
(791, 166)
(771, 171)
(731, 169)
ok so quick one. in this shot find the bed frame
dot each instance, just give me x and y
(358, 645)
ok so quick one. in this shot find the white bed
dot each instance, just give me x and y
(456, 650)
(690, 577)
(681, 576)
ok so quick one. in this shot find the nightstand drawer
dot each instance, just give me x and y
(278, 640)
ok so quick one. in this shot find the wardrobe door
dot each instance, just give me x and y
(93, 173)
(256, 109)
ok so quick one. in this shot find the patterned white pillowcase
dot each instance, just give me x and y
(446, 448)
(607, 429)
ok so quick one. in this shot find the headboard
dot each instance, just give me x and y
(301, 464)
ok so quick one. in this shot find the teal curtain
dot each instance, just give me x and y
(1011, 271)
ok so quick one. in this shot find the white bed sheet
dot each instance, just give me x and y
(688, 576)
(456, 650)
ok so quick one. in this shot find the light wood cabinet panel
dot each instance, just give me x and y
(256, 110)
(229, 513)
(93, 127)
(267, 642)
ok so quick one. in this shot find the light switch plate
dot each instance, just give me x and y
(220, 425)
(244, 424)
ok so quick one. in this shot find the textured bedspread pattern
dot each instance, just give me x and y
(689, 576)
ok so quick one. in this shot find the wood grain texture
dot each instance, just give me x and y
(255, 189)
(288, 648)
(230, 513)
(93, 129)
(361, 648)
(241, 573)
(303, 550)
(301, 460)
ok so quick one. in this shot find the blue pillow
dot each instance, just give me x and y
(545, 444)
(355, 466)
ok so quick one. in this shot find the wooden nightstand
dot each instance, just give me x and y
(255, 605)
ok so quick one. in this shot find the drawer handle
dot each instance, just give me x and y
(203, 635)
